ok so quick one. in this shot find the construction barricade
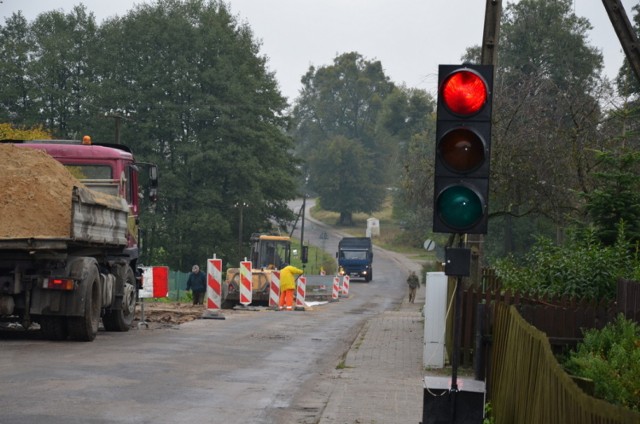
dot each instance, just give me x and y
(214, 283)
(274, 289)
(335, 293)
(301, 290)
(155, 283)
(246, 283)
(344, 292)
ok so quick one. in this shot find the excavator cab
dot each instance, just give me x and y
(268, 253)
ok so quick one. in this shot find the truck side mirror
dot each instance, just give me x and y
(153, 183)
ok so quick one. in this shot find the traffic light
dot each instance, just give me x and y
(463, 147)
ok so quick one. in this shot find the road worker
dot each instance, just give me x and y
(288, 276)
(197, 283)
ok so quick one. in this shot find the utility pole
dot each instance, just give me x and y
(491, 32)
(304, 252)
(118, 116)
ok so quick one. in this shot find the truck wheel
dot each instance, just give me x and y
(369, 276)
(85, 328)
(122, 318)
(54, 328)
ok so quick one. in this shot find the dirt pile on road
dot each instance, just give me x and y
(35, 194)
(170, 312)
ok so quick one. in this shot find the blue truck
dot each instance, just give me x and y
(355, 257)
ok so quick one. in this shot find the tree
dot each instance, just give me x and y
(546, 120)
(205, 108)
(343, 101)
(15, 103)
(616, 198)
(413, 200)
(9, 132)
(60, 71)
(341, 169)
(189, 91)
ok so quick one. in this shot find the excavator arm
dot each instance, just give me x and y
(625, 33)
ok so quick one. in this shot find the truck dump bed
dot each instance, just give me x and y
(43, 207)
(96, 220)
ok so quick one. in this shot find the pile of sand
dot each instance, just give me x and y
(35, 194)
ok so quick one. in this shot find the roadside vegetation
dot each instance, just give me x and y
(610, 358)
(582, 267)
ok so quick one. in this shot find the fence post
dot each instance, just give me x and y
(479, 356)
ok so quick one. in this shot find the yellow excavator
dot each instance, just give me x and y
(268, 253)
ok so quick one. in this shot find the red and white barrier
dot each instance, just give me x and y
(345, 285)
(336, 288)
(246, 283)
(214, 283)
(155, 282)
(301, 291)
(274, 289)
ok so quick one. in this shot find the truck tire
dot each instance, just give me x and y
(54, 327)
(369, 276)
(121, 319)
(85, 328)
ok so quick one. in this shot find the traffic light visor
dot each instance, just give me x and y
(464, 92)
(459, 207)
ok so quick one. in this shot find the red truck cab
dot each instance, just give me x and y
(107, 168)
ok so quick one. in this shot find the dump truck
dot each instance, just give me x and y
(355, 257)
(268, 253)
(69, 236)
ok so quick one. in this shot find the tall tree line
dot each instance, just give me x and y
(558, 127)
(352, 124)
(185, 85)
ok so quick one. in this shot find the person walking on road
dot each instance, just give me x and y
(288, 276)
(197, 284)
(414, 283)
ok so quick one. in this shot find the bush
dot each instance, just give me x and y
(583, 267)
(611, 358)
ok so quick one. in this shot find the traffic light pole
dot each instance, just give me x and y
(457, 329)
(460, 270)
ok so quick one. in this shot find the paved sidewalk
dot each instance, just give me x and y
(381, 382)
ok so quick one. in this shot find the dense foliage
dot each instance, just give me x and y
(582, 267)
(616, 196)
(186, 88)
(611, 358)
(546, 115)
(9, 132)
(349, 122)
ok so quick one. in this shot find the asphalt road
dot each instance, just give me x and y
(253, 367)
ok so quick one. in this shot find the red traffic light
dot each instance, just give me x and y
(464, 92)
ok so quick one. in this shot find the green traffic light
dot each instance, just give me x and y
(459, 207)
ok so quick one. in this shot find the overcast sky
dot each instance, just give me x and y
(407, 36)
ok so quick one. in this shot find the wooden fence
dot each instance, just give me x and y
(562, 319)
(628, 299)
(528, 385)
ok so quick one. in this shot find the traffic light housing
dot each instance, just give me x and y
(463, 148)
